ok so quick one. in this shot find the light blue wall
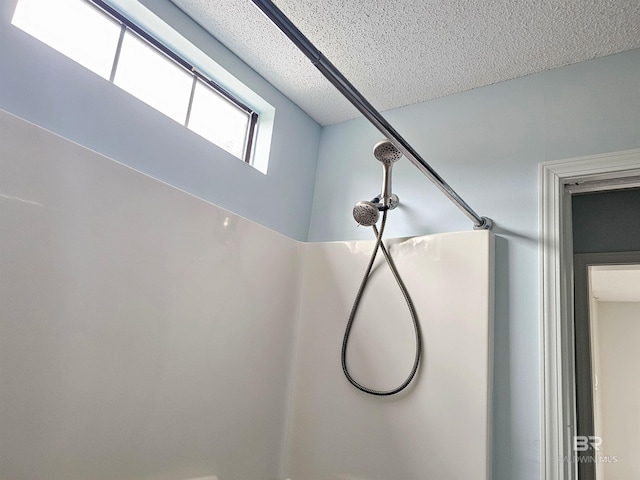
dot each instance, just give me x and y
(487, 144)
(46, 88)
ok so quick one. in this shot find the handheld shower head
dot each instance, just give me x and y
(387, 154)
(366, 213)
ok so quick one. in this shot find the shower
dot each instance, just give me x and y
(367, 214)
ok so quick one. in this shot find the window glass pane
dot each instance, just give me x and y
(74, 28)
(218, 120)
(152, 77)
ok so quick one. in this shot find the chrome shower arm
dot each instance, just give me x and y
(343, 85)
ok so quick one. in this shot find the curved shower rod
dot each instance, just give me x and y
(343, 85)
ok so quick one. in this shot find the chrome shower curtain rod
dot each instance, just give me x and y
(343, 85)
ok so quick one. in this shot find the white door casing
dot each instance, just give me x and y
(556, 264)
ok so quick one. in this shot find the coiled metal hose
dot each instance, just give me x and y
(414, 317)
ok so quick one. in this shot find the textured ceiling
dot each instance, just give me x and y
(400, 52)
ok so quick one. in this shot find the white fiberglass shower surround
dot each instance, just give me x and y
(147, 334)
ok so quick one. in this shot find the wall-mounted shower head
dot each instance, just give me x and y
(366, 213)
(387, 154)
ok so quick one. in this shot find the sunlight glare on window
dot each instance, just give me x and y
(153, 78)
(72, 27)
(218, 120)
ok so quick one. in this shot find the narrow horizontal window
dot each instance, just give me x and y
(101, 39)
(74, 28)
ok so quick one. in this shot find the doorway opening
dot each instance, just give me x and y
(607, 332)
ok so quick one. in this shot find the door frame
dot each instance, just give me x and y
(557, 364)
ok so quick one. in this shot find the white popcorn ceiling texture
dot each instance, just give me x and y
(400, 52)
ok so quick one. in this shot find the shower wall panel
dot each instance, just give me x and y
(148, 335)
(144, 333)
(440, 426)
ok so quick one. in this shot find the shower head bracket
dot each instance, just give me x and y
(393, 202)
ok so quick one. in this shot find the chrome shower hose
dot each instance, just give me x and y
(414, 317)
